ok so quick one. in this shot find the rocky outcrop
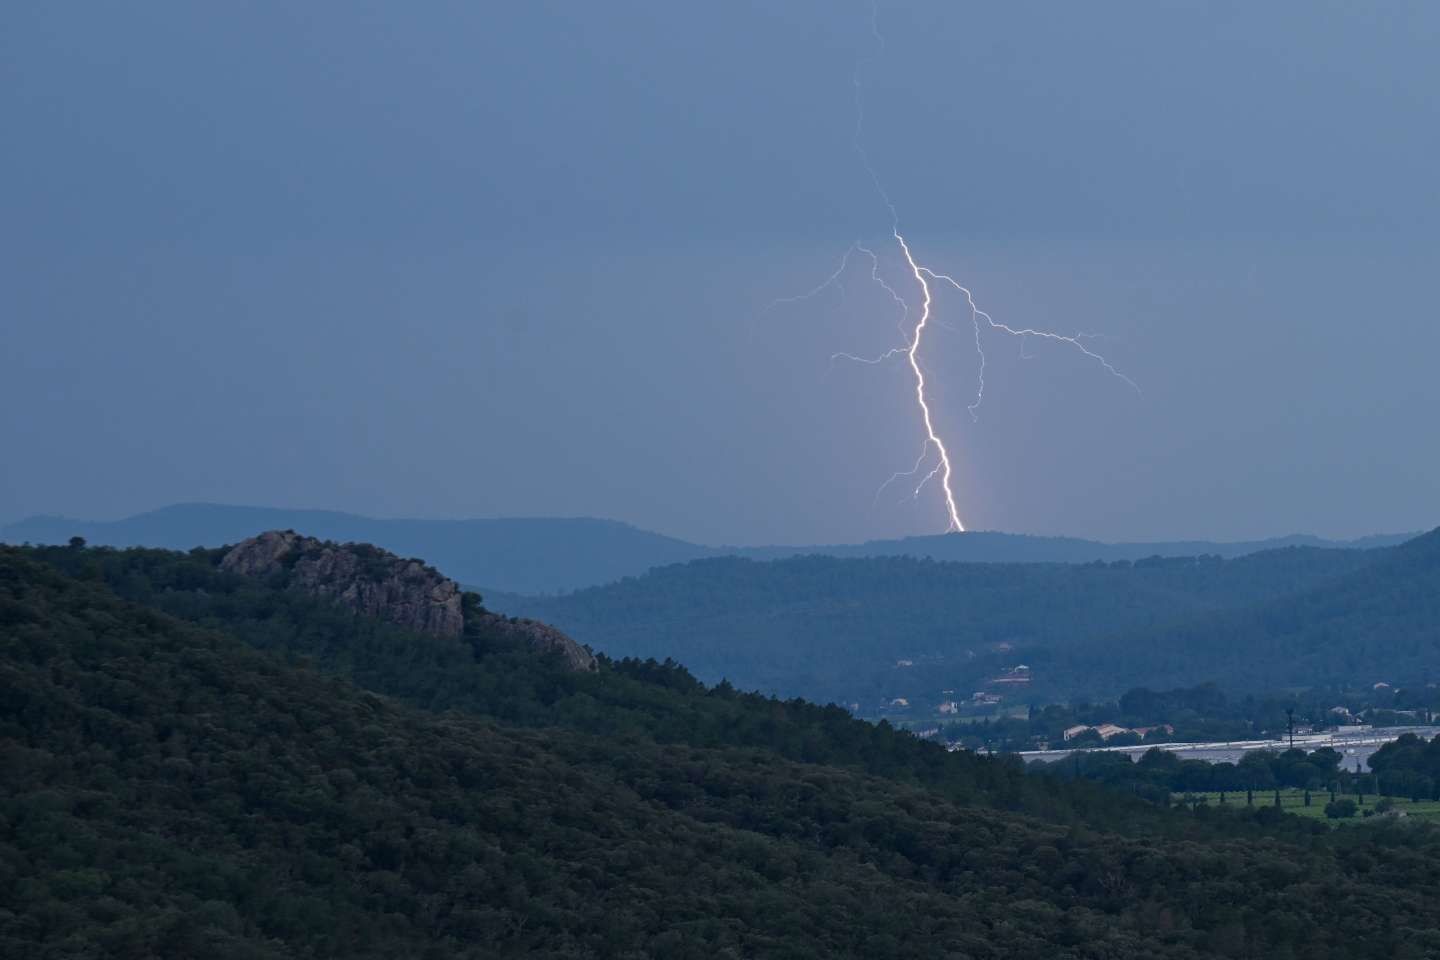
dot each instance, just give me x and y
(379, 584)
(366, 579)
(542, 636)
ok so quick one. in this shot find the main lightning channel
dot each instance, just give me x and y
(933, 438)
(911, 338)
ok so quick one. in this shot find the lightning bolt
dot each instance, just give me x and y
(831, 281)
(932, 438)
(913, 336)
(977, 315)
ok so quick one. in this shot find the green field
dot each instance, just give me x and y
(1293, 801)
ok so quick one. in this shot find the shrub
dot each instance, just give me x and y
(1340, 809)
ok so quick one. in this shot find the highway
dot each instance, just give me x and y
(1356, 744)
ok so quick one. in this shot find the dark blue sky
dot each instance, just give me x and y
(513, 259)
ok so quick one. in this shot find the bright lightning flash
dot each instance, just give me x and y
(932, 438)
(910, 348)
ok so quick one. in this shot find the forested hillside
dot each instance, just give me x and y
(835, 630)
(1381, 622)
(172, 791)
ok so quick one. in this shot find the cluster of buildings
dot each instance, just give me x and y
(1008, 682)
(1016, 676)
(980, 699)
(1108, 730)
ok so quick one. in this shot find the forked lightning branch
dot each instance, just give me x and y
(934, 461)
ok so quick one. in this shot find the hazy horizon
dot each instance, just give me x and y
(482, 262)
(8, 521)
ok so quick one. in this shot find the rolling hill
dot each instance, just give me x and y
(869, 630)
(548, 555)
(1378, 623)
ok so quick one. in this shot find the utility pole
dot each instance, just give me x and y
(1290, 723)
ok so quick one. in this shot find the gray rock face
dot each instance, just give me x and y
(379, 584)
(366, 579)
(262, 555)
(542, 636)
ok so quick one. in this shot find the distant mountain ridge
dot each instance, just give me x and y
(539, 555)
(550, 555)
(869, 630)
(1380, 622)
(986, 546)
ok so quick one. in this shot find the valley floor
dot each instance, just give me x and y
(1293, 801)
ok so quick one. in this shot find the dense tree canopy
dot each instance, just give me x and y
(199, 770)
(870, 630)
